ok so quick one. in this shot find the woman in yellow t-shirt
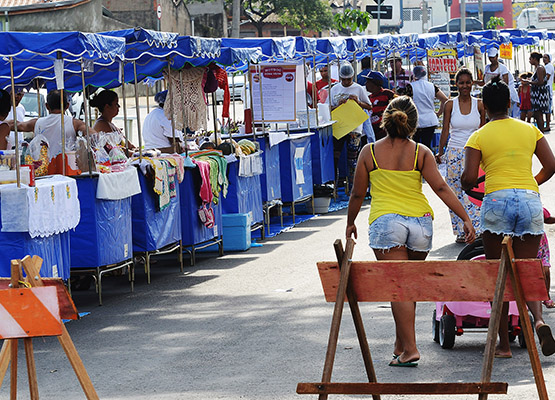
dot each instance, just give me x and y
(400, 217)
(511, 205)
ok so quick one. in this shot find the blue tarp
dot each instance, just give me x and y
(244, 194)
(154, 229)
(295, 158)
(321, 144)
(104, 234)
(193, 230)
(269, 180)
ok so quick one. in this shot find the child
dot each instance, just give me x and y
(525, 99)
(543, 254)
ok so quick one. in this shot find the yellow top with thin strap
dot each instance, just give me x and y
(397, 192)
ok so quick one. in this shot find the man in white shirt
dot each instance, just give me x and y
(157, 129)
(549, 69)
(339, 94)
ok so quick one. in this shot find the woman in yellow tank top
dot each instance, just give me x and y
(400, 216)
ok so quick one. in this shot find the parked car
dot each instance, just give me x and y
(472, 24)
(234, 91)
(31, 104)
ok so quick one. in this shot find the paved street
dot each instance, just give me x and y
(251, 325)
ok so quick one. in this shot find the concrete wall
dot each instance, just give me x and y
(143, 13)
(85, 17)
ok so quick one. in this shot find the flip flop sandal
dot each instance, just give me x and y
(209, 218)
(397, 363)
(547, 342)
(549, 303)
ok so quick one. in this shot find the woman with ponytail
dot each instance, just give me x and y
(400, 216)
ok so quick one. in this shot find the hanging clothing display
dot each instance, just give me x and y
(223, 83)
(189, 107)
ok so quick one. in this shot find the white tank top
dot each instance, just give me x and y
(51, 127)
(462, 126)
(423, 95)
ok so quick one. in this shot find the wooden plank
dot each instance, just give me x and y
(13, 369)
(359, 325)
(31, 369)
(337, 314)
(402, 388)
(4, 360)
(382, 281)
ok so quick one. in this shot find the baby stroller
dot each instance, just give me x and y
(452, 319)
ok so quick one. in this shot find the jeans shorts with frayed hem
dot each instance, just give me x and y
(394, 230)
(514, 212)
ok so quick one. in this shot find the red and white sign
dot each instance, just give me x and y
(159, 11)
(27, 313)
(442, 60)
(277, 102)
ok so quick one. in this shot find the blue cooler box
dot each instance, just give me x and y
(236, 232)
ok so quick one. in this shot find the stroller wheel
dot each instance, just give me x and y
(435, 327)
(447, 330)
(471, 250)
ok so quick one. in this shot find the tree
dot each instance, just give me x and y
(352, 20)
(495, 22)
(301, 14)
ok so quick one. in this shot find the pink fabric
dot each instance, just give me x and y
(205, 188)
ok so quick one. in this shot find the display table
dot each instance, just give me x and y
(36, 221)
(195, 234)
(103, 240)
(244, 196)
(295, 158)
(155, 231)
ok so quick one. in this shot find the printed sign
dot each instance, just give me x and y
(442, 60)
(479, 63)
(277, 102)
(506, 51)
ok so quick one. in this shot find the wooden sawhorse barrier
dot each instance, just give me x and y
(44, 321)
(387, 281)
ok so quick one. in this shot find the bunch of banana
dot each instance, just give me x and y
(247, 147)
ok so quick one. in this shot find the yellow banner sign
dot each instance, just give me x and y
(506, 51)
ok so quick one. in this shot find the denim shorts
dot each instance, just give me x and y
(514, 212)
(394, 230)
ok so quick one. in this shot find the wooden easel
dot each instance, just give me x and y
(385, 281)
(8, 354)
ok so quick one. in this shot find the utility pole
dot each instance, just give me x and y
(481, 12)
(236, 21)
(463, 15)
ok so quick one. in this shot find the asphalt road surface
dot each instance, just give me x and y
(251, 325)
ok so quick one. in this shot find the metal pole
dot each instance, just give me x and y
(86, 109)
(38, 98)
(251, 101)
(170, 90)
(17, 160)
(184, 129)
(138, 108)
(261, 100)
(233, 97)
(314, 88)
(123, 98)
(306, 99)
(329, 83)
(147, 99)
(62, 108)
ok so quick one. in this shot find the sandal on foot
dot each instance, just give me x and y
(549, 303)
(547, 342)
(460, 239)
(398, 363)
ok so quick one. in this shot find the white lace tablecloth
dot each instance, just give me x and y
(51, 207)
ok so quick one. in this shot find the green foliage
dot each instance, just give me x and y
(301, 14)
(495, 22)
(352, 20)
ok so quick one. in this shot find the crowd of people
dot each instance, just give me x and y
(480, 140)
